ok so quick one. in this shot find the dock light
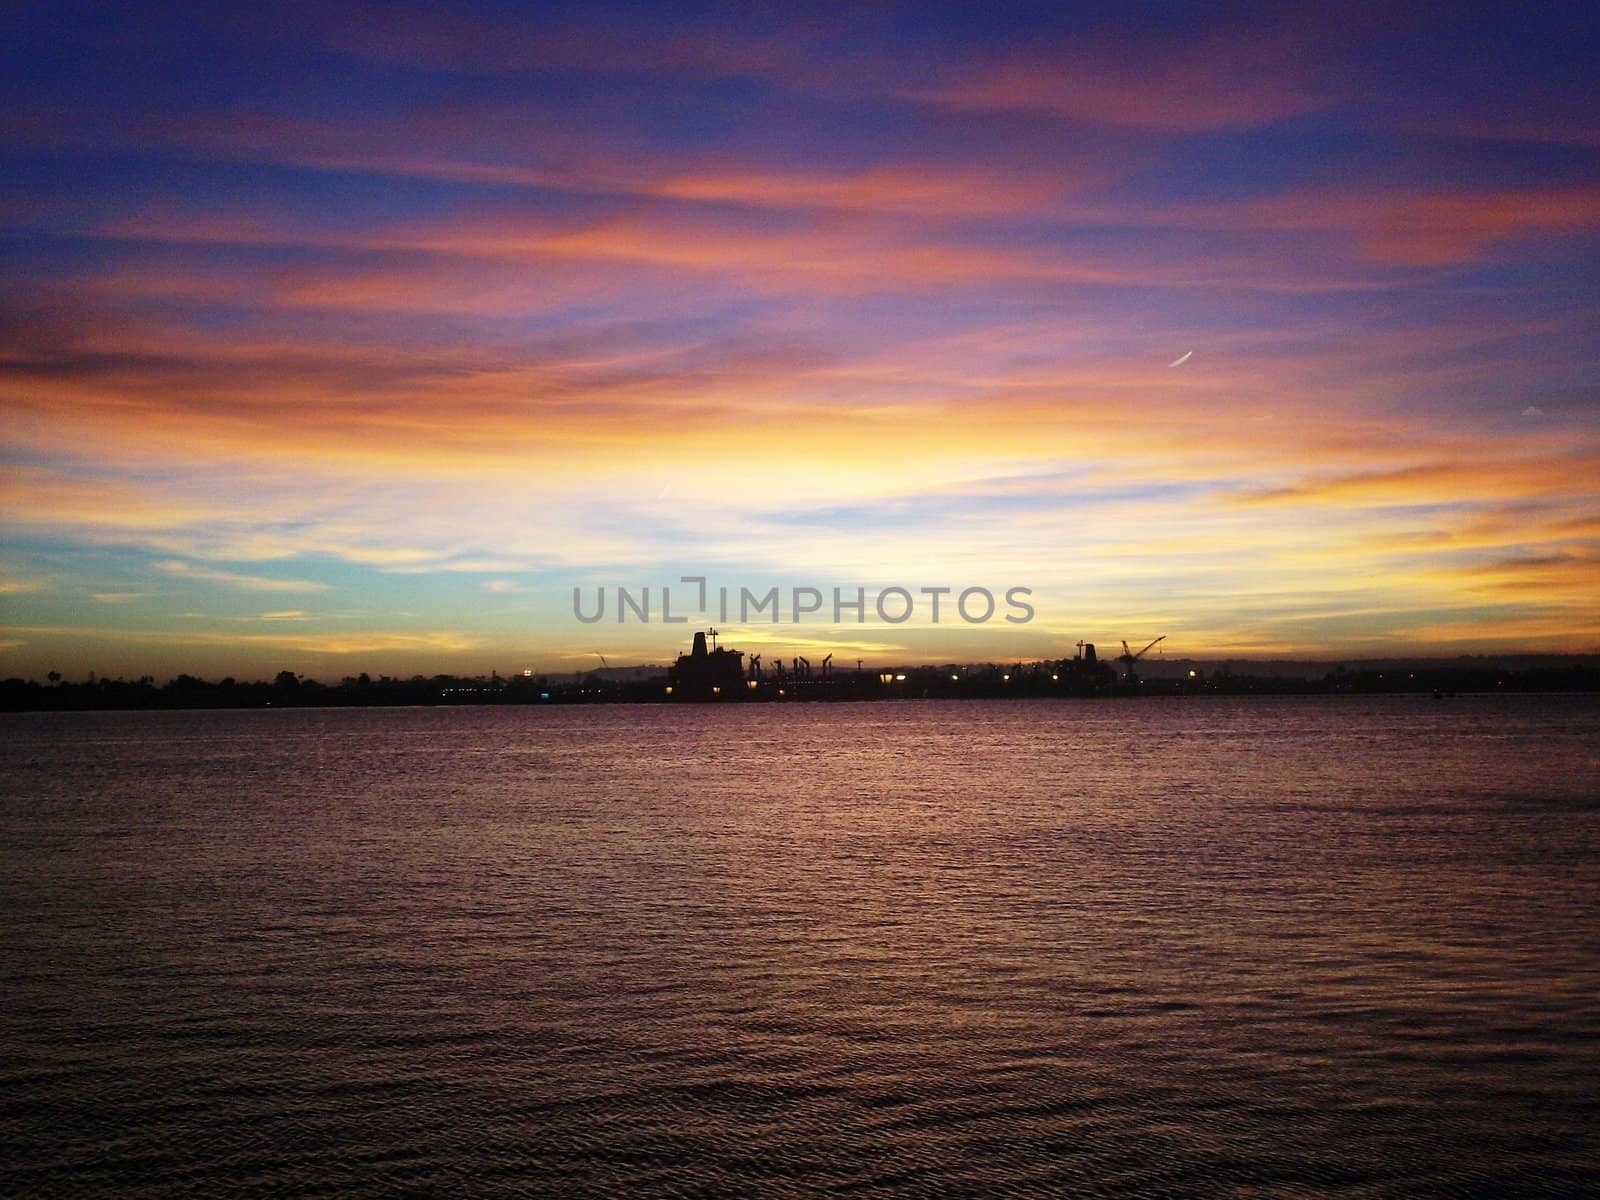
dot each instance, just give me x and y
(751, 684)
(953, 678)
(780, 691)
(716, 689)
(1005, 679)
(899, 678)
(1054, 678)
(1191, 674)
(669, 689)
(887, 677)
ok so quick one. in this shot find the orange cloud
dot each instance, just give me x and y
(365, 642)
(1412, 227)
(1445, 483)
(1186, 83)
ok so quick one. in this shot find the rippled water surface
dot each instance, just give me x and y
(1290, 947)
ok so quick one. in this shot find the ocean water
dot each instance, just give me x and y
(1244, 947)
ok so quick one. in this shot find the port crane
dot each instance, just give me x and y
(1129, 657)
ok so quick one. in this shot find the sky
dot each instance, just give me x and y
(355, 337)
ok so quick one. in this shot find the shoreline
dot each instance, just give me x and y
(189, 693)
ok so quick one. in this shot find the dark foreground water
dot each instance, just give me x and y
(1293, 947)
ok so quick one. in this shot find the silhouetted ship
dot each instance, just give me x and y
(707, 674)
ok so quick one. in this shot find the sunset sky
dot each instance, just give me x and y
(348, 337)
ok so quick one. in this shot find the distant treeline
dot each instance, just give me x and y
(288, 690)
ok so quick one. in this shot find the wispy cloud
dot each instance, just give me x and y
(236, 579)
(294, 615)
